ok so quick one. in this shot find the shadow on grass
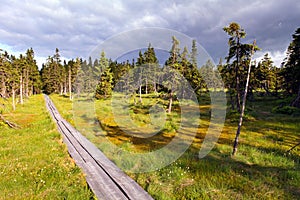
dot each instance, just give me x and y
(119, 135)
(246, 178)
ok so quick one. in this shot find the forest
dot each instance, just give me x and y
(245, 81)
(20, 76)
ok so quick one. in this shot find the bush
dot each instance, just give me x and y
(284, 110)
(234, 116)
(284, 102)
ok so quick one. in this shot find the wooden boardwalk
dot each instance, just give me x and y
(105, 179)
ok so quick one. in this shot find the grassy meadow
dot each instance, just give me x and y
(261, 169)
(34, 163)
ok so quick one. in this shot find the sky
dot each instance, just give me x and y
(77, 27)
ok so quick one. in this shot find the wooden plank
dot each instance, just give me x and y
(102, 184)
(132, 189)
(128, 185)
(93, 171)
(105, 179)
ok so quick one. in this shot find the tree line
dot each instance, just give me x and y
(20, 76)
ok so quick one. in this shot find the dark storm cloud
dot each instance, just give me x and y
(271, 23)
(76, 27)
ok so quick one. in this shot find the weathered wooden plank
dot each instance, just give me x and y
(98, 180)
(104, 177)
(96, 172)
(102, 184)
(132, 189)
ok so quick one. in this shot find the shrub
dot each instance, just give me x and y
(284, 110)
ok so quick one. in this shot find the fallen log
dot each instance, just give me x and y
(9, 123)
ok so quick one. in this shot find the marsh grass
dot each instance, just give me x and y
(34, 163)
(261, 169)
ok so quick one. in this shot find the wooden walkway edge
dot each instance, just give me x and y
(105, 179)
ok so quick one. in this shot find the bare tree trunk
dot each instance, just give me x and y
(13, 99)
(170, 103)
(236, 140)
(27, 84)
(146, 85)
(140, 93)
(21, 89)
(65, 87)
(237, 87)
(10, 124)
(61, 88)
(70, 84)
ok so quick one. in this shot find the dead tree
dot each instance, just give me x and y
(236, 140)
(9, 123)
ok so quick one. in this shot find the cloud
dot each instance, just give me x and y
(76, 27)
(276, 56)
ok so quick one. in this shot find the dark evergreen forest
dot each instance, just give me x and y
(20, 76)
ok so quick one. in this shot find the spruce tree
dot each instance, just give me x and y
(104, 87)
(236, 33)
(172, 69)
(265, 74)
(291, 71)
(150, 69)
(237, 61)
(194, 53)
(3, 73)
(33, 78)
(53, 74)
(14, 71)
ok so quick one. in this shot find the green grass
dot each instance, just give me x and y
(34, 163)
(261, 169)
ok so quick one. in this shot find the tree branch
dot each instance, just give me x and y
(293, 147)
(10, 124)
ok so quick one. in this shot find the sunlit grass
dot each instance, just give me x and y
(34, 163)
(261, 169)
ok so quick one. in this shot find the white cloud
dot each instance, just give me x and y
(276, 56)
